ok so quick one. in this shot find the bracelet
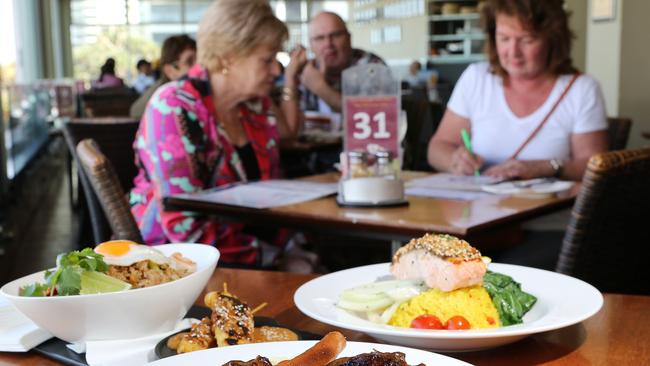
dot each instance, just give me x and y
(288, 94)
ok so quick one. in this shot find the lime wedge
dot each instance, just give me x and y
(96, 282)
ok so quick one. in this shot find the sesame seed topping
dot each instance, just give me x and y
(441, 245)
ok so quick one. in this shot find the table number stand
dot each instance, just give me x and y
(371, 158)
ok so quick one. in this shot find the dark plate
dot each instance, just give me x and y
(55, 349)
(199, 312)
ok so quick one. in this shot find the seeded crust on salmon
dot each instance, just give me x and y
(443, 262)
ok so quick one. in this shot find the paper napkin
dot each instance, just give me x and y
(17, 332)
(126, 352)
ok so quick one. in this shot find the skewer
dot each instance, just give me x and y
(259, 307)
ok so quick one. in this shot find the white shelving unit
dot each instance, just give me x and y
(455, 38)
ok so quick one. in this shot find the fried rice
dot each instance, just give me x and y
(146, 273)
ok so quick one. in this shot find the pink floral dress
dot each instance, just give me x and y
(181, 147)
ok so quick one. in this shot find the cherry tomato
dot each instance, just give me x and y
(457, 323)
(427, 321)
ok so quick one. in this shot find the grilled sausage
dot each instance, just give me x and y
(321, 353)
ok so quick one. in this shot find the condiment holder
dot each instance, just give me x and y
(370, 162)
(370, 180)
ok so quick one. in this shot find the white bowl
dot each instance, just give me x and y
(118, 315)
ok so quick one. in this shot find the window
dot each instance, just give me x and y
(129, 30)
(8, 49)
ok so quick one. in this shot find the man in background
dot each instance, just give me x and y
(331, 43)
(177, 55)
(413, 78)
(145, 78)
(315, 85)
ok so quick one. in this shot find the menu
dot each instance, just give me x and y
(265, 194)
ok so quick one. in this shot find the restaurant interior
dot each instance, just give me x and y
(327, 234)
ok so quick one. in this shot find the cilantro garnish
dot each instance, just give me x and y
(66, 279)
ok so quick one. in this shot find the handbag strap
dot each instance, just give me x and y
(539, 127)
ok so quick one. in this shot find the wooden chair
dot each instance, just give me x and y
(114, 135)
(607, 243)
(421, 120)
(619, 132)
(115, 138)
(107, 188)
(108, 102)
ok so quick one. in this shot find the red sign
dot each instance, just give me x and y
(371, 123)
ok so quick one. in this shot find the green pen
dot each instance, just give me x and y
(468, 145)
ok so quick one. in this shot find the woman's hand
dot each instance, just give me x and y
(512, 169)
(463, 162)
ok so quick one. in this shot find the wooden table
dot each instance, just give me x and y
(617, 335)
(484, 222)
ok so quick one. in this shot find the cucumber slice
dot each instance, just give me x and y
(383, 286)
(365, 306)
(357, 296)
(403, 293)
(388, 313)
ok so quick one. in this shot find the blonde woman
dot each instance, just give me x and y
(210, 128)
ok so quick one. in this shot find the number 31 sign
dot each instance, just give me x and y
(371, 123)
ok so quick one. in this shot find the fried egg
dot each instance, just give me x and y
(125, 253)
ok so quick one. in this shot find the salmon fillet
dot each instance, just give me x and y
(443, 262)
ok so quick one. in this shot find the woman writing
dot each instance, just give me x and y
(210, 128)
(530, 113)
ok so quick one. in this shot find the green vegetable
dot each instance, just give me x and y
(66, 279)
(93, 282)
(511, 302)
(34, 290)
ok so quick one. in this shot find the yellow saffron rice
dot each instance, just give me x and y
(473, 303)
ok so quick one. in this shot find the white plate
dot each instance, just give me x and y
(561, 301)
(539, 187)
(277, 351)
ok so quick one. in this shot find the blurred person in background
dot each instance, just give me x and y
(320, 78)
(107, 77)
(145, 78)
(530, 112)
(315, 85)
(211, 128)
(177, 55)
(414, 77)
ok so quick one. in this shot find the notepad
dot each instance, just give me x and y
(450, 194)
(17, 332)
(531, 188)
(453, 182)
